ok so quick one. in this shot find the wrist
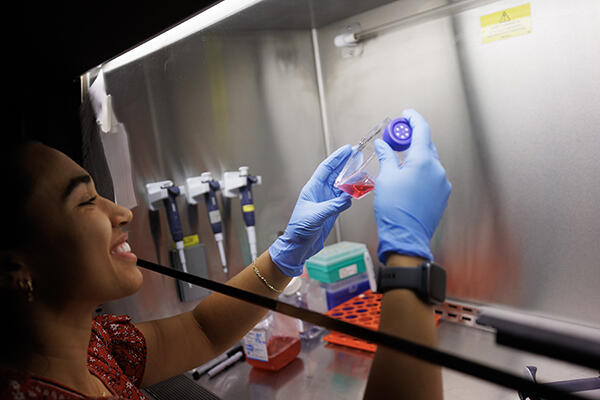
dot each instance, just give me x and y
(403, 260)
(409, 238)
(279, 252)
(405, 243)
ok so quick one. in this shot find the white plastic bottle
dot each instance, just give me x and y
(296, 293)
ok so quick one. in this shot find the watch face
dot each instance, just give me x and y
(437, 283)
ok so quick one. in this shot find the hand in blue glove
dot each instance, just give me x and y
(313, 217)
(409, 199)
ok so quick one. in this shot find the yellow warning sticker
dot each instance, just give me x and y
(248, 208)
(505, 24)
(190, 240)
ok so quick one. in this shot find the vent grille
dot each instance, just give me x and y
(460, 313)
(179, 387)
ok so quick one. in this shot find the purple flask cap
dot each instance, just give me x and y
(398, 134)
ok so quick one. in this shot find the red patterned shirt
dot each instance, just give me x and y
(116, 355)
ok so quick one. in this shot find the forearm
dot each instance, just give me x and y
(393, 373)
(223, 319)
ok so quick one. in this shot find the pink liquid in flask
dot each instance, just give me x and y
(358, 187)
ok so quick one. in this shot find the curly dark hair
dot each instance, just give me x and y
(16, 232)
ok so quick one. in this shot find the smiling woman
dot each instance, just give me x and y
(71, 225)
(64, 252)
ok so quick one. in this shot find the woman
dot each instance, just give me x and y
(65, 252)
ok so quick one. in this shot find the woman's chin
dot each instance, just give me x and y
(137, 280)
(129, 283)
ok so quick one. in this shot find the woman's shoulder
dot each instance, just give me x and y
(19, 385)
(117, 346)
(117, 335)
(13, 383)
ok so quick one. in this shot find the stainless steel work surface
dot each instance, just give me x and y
(321, 370)
(326, 371)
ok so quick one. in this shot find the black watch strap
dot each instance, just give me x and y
(427, 281)
(399, 278)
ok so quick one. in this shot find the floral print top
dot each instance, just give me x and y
(116, 355)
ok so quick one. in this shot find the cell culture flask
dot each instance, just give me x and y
(358, 175)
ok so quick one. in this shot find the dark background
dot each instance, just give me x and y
(47, 47)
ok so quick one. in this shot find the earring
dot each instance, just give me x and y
(27, 286)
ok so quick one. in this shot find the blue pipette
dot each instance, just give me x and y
(248, 211)
(175, 223)
(214, 216)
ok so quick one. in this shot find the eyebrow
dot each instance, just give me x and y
(74, 182)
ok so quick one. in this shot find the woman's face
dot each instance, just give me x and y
(77, 251)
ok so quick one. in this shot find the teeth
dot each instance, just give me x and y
(123, 248)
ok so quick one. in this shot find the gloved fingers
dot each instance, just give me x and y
(332, 164)
(334, 206)
(336, 192)
(421, 137)
(354, 160)
(385, 154)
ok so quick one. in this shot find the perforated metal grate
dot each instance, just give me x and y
(179, 387)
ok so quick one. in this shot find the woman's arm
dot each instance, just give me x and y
(185, 341)
(404, 315)
(224, 319)
(408, 205)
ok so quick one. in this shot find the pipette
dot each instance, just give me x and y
(214, 215)
(175, 223)
(247, 203)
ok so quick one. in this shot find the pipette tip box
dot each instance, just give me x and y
(337, 262)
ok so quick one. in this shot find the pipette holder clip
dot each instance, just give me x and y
(156, 192)
(199, 185)
(234, 180)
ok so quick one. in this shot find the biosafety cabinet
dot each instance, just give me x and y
(511, 91)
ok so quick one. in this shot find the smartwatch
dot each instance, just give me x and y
(428, 281)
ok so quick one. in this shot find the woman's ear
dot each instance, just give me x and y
(9, 263)
(12, 269)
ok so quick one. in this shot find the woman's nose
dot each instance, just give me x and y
(119, 215)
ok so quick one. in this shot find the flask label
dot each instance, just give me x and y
(255, 345)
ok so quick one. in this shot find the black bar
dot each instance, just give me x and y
(533, 339)
(419, 351)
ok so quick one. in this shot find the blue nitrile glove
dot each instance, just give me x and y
(313, 217)
(409, 199)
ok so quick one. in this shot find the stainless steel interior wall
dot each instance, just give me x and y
(214, 104)
(517, 126)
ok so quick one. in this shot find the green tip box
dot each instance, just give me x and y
(336, 262)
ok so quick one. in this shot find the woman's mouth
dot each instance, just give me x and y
(123, 250)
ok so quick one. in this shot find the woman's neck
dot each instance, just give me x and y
(60, 347)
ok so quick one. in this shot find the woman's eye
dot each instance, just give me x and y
(88, 202)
